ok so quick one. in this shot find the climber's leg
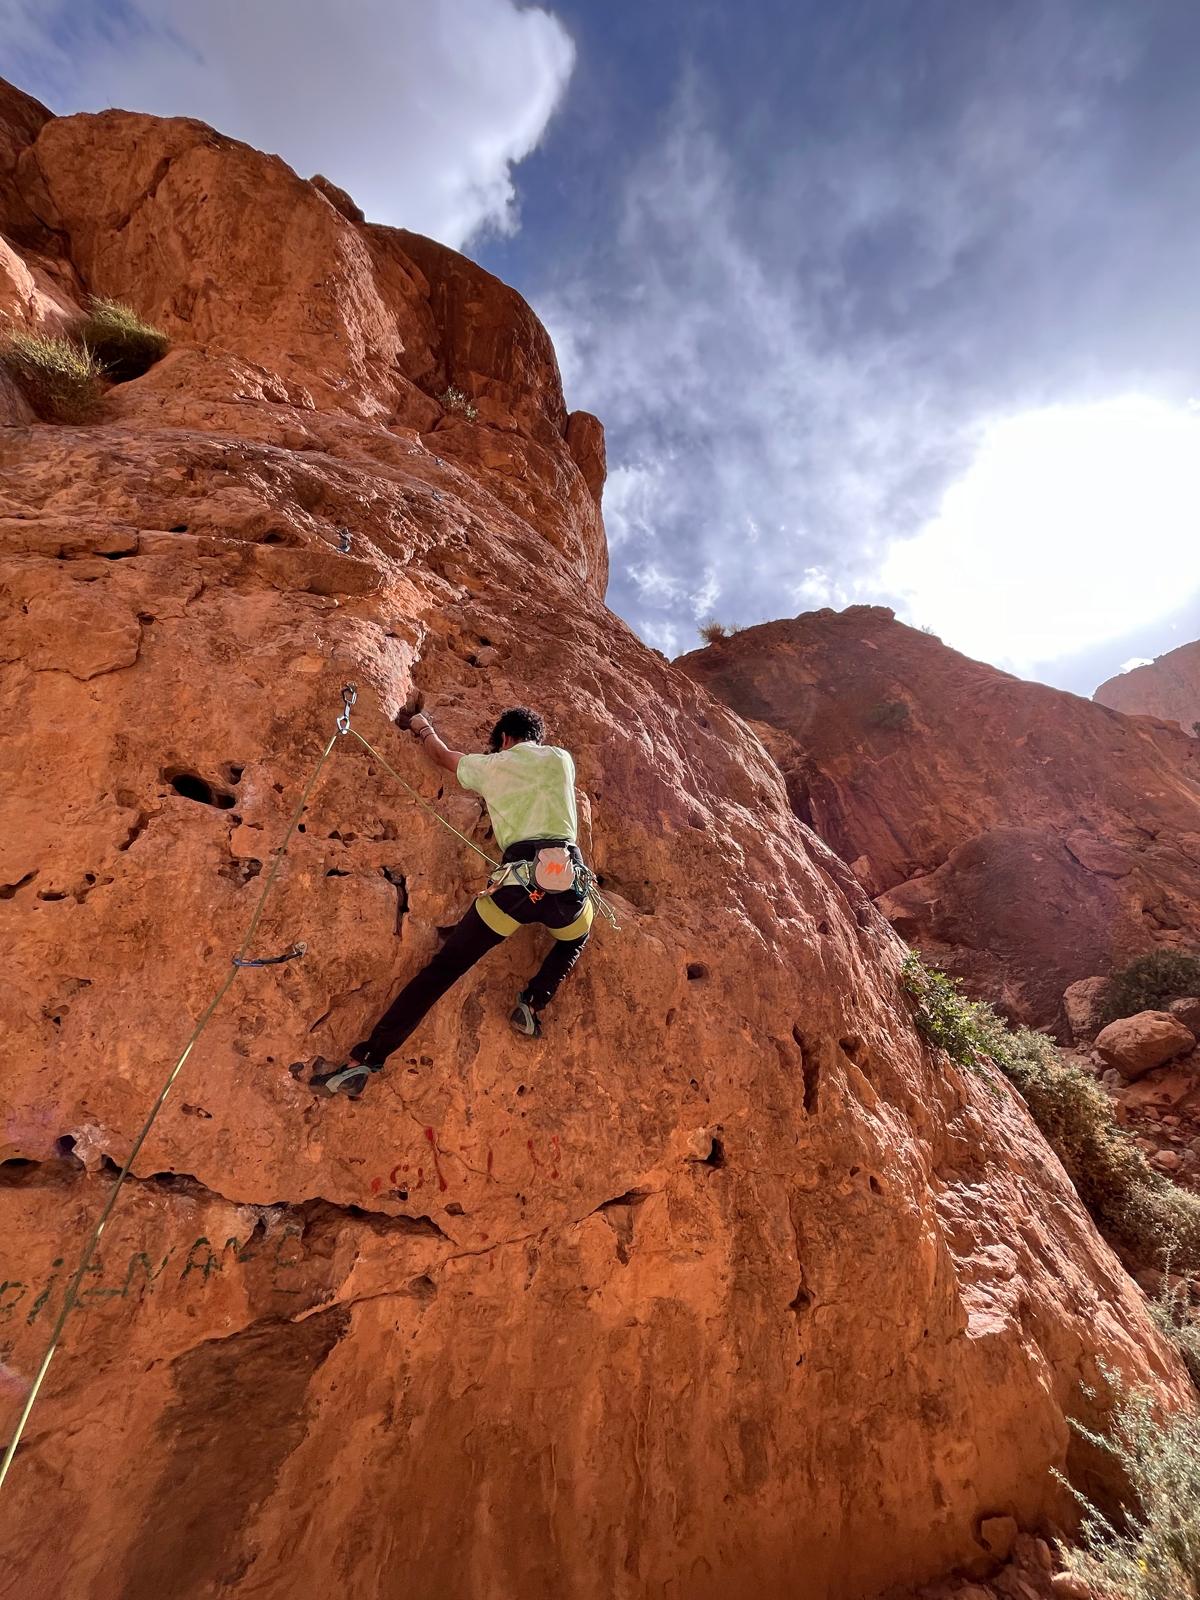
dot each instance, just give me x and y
(542, 988)
(469, 941)
(558, 963)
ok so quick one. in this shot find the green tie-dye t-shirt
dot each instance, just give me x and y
(529, 792)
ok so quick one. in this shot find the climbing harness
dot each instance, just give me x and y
(241, 960)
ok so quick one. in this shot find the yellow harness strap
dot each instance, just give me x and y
(576, 929)
(498, 921)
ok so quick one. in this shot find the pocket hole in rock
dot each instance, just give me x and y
(193, 787)
(716, 1156)
(64, 1149)
(696, 970)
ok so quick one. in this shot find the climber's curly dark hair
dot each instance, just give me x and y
(518, 723)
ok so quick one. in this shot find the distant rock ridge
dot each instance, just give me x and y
(1167, 687)
(1024, 838)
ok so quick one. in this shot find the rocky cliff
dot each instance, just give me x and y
(727, 1286)
(1167, 687)
(1023, 837)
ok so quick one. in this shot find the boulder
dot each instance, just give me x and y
(1083, 1003)
(1135, 1045)
(1188, 1012)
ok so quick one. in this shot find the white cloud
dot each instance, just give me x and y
(420, 108)
(817, 588)
(747, 452)
(1134, 661)
(1072, 526)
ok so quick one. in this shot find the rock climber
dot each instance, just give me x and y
(529, 790)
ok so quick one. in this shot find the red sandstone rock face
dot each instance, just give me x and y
(728, 1286)
(1023, 837)
(1168, 687)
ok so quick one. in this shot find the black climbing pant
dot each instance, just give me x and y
(467, 943)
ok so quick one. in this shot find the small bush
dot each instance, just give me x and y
(1131, 1203)
(889, 714)
(62, 381)
(1177, 1317)
(1150, 983)
(455, 400)
(1154, 1554)
(125, 344)
(712, 630)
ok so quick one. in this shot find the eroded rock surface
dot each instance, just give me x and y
(1023, 837)
(727, 1287)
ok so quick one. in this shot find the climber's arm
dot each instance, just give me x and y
(436, 749)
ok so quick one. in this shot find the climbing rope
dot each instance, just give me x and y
(421, 801)
(238, 962)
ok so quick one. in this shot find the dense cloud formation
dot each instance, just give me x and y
(420, 110)
(844, 259)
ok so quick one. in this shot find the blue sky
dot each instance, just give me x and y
(888, 301)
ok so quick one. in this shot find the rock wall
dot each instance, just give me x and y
(1023, 837)
(727, 1286)
(1167, 687)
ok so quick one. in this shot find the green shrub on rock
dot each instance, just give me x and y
(1152, 1552)
(1150, 983)
(1132, 1204)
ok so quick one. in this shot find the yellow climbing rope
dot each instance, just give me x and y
(205, 1018)
(238, 962)
(421, 801)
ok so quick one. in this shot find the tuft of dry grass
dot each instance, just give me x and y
(62, 380)
(119, 338)
(712, 630)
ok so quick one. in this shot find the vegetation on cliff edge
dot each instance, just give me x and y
(63, 381)
(1133, 1205)
(1153, 1553)
(124, 344)
(1150, 983)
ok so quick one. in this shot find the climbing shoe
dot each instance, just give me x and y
(526, 1020)
(350, 1079)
